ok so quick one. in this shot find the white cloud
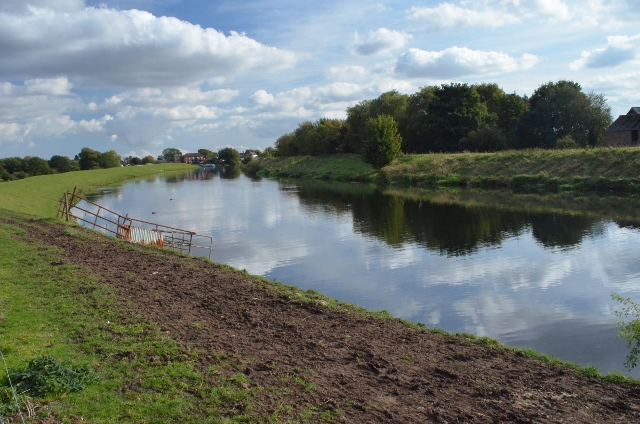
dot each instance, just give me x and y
(448, 15)
(51, 86)
(620, 49)
(126, 48)
(499, 13)
(21, 6)
(261, 97)
(456, 62)
(380, 41)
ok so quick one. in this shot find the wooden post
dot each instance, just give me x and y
(66, 205)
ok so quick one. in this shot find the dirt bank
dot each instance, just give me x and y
(348, 366)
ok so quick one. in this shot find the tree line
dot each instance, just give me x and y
(455, 118)
(15, 168)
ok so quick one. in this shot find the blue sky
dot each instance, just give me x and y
(139, 76)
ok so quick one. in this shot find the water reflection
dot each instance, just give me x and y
(450, 229)
(532, 271)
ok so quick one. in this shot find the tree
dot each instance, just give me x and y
(391, 103)
(382, 141)
(148, 159)
(486, 139)
(630, 330)
(455, 111)
(208, 154)
(109, 159)
(12, 165)
(89, 158)
(414, 124)
(229, 155)
(62, 164)
(36, 166)
(560, 109)
(356, 123)
(4, 175)
(269, 152)
(285, 145)
(170, 152)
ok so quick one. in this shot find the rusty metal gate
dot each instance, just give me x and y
(92, 215)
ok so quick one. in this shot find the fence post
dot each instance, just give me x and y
(66, 205)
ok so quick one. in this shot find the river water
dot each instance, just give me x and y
(531, 271)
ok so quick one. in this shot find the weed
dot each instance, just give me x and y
(46, 376)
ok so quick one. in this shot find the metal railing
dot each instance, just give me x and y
(92, 215)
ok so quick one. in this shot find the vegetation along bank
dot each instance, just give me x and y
(525, 170)
(141, 334)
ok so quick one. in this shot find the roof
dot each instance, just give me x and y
(627, 122)
(192, 155)
(634, 110)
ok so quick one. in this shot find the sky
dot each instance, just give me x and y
(140, 76)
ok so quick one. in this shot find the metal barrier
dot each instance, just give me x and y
(89, 214)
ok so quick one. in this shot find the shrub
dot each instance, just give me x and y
(382, 141)
(46, 376)
(566, 142)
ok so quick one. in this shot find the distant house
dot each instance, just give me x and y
(624, 130)
(189, 158)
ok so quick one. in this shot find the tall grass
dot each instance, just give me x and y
(539, 170)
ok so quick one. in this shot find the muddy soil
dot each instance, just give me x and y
(371, 370)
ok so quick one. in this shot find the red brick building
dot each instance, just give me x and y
(189, 158)
(624, 130)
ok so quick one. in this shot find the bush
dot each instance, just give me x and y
(629, 331)
(566, 142)
(382, 141)
(46, 376)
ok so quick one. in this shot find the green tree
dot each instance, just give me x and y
(486, 139)
(629, 330)
(148, 159)
(560, 109)
(62, 164)
(12, 165)
(455, 111)
(109, 159)
(391, 103)
(4, 175)
(285, 145)
(269, 152)
(414, 125)
(229, 155)
(382, 141)
(89, 158)
(208, 154)
(36, 166)
(356, 123)
(170, 152)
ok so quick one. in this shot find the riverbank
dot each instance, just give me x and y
(182, 338)
(41, 195)
(601, 169)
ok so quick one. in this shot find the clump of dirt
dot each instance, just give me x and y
(372, 370)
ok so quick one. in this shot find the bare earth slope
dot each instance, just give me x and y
(371, 370)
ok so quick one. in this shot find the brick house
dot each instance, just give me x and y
(189, 158)
(624, 130)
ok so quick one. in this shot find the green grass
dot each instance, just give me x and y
(142, 376)
(41, 195)
(528, 170)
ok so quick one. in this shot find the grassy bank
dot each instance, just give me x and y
(41, 195)
(528, 170)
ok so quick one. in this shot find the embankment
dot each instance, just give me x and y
(176, 338)
(602, 169)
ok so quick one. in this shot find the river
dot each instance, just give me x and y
(531, 271)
